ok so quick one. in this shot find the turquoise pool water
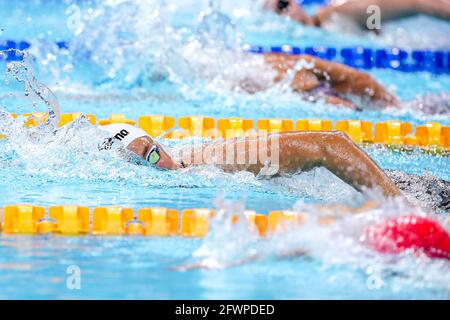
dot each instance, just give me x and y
(135, 60)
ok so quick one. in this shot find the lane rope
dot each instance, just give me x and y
(431, 137)
(433, 61)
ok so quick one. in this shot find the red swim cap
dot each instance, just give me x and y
(409, 232)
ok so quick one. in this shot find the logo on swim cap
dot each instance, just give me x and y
(122, 134)
(125, 133)
(106, 144)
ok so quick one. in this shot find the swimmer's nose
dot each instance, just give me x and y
(166, 162)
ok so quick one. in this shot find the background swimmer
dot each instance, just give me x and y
(356, 10)
(438, 104)
(341, 85)
(333, 82)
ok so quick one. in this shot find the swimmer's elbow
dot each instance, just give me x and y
(332, 142)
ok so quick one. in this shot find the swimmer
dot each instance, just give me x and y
(332, 82)
(356, 10)
(288, 153)
(340, 85)
(299, 151)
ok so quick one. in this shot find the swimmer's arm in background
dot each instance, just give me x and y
(347, 80)
(390, 9)
(324, 13)
(343, 79)
(304, 80)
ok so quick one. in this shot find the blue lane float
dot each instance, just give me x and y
(436, 62)
(313, 2)
(367, 58)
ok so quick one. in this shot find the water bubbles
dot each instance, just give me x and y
(21, 71)
(227, 243)
(337, 244)
(217, 27)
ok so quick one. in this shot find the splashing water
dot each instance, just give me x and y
(425, 190)
(21, 71)
(73, 150)
(436, 104)
(238, 244)
(338, 243)
(217, 27)
(139, 48)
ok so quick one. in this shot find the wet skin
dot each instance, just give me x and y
(356, 10)
(342, 79)
(297, 151)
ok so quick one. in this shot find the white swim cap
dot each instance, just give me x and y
(122, 133)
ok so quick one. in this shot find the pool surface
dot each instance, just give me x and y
(145, 57)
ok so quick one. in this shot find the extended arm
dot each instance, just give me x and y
(390, 9)
(292, 152)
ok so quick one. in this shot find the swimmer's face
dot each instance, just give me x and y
(144, 145)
